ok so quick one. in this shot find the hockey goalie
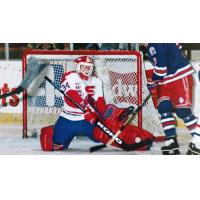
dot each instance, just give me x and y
(86, 90)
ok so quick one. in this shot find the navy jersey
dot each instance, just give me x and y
(168, 61)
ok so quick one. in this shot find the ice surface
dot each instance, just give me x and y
(12, 143)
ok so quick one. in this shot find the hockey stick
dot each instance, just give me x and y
(103, 127)
(33, 69)
(126, 113)
(130, 118)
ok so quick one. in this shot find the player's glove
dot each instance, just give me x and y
(153, 89)
(152, 85)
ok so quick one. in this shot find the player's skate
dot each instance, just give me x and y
(171, 147)
(194, 146)
(193, 149)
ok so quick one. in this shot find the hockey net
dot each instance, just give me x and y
(124, 84)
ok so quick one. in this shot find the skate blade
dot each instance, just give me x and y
(172, 152)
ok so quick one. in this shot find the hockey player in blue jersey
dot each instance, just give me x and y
(172, 75)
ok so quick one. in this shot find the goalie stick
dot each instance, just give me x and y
(104, 128)
(129, 119)
(33, 68)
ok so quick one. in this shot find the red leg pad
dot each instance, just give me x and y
(46, 138)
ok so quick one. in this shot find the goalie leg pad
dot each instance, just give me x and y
(132, 134)
(115, 118)
(100, 136)
(46, 138)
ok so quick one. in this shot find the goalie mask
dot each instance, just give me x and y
(84, 65)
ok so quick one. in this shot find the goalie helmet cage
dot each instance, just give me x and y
(124, 84)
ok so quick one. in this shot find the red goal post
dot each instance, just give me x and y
(123, 77)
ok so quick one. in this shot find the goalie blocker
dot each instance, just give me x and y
(114, 120)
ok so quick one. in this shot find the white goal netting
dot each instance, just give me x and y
(123, 79)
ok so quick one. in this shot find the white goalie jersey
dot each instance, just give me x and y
(78, 89)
